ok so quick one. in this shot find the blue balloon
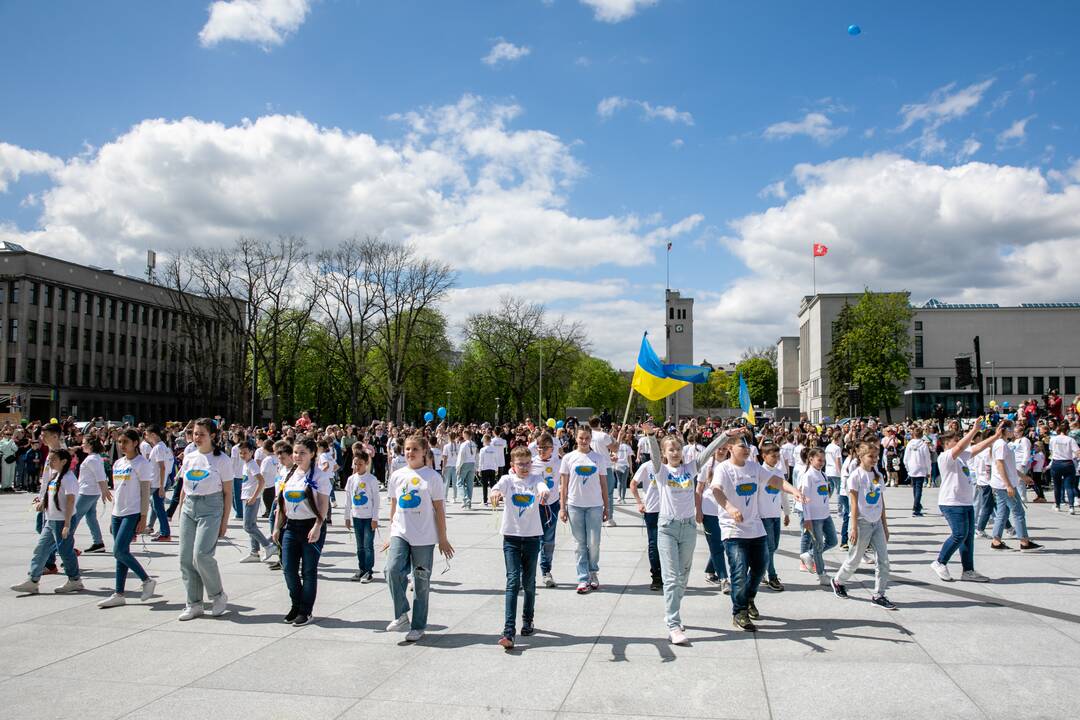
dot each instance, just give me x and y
(442, 413)
(559, 424)
(428, 417)
(853, 30)
(1005, 404)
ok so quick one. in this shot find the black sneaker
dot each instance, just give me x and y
(1030, 546)
(712, 578)
(776, 585)
(752, 611)
(527, 629)
(292, 615)
(742, 620)
(883, 602)
(656, 584)
(301, 619)
(999, 546)
(95, 548)
(838, 590)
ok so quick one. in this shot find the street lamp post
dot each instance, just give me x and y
(498, 407)
(448, 406)
(993, 380)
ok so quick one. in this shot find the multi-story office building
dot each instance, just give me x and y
(1027, 351)
(88, 342)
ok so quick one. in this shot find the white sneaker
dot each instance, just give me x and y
(251, 558)
(28, 587)
(981, 534)
(678, 637)
(972, 576)
(549, 582)
(414, 635)
(725, 586)
(220, 605)
(400, 624)
(148, 589)
(270, 555)
(191, 612)
(807, 560)
(366, 579)
(114, 600)
(941, 570)
(610, 523)
(1010, 533)
(69, 587)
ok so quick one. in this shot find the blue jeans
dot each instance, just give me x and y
(916, 491)
(365, 544)
(86, 507)
(465, 477)
(259, 541)
(157, 512)
(585, 526)
(843, 507)
(123, 532)
(200, 520)
(39, 525)
(300, 563)
(610, 478)
(1063, 473)
(549, 522)
(747, 558)
(676, 541)
(520, 554)
(961, 519)
(622, 477)
(652, 520)
(450, 479)
(717, 564)
(399, 558)
(237, 503)
(823, 537)
(1004, 505)
(984, 504)
(50, 541)
(772, 541)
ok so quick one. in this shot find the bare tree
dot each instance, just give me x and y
(767, 352)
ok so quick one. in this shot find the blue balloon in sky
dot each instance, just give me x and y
(442, 413)
(853, 30)
(428, 417)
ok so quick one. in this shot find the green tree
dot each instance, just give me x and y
(872, 348)
(760, 376)
(714, 394)
(597, 385)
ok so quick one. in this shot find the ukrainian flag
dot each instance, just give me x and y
(744, 401)
(655, 380)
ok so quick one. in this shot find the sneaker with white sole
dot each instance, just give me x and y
(191, 612)
(973, 576)
(270, 555)
(549, 582)
(69, 587)
(678, 637)
(251, 558)
(114, 600)
(981, 534)
(220, 605)
(400, 624)
(366, 579)
(807, 560)
(941, 570)
(725, 586)
(414, 635)
(594, 581)
(27, 587)
(148, 588)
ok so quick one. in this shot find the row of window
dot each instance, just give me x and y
(131, 346)
(1008, 385)
(102, 306)
(107, 378)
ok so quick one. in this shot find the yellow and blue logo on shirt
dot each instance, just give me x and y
(823, 490)
(681, 481)
(359, 498)
(295, 496)
(522, 501)
(772, 490)
(746, 490)
(121, 474)
(873, 495)
(585, 472)
(195, 475)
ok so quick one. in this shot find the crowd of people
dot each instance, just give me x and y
(739, 483)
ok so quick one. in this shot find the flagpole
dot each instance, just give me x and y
(626, 415)
(667, 270)
(813, 268)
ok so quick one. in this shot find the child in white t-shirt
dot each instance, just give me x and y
(362, 492)
(522, 529)
(250, 496)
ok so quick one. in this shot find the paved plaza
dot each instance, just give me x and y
(1005, 650)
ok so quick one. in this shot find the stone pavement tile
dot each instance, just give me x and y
(28, 646)
(949, 643)
(329, 668)
(1008, 691)
(540, 679)
(189, 657)
(16, 609)
(136, 614)
(365, 621)
(404, 710)
(27, 697)
(803, 690)
(969, 603)
(672, 684)
(201, 703)
(568, 632)
(837, 638)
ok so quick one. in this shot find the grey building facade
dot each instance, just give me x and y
(679, 348)
(89, 342)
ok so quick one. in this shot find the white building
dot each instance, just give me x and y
(679, 348)
(1026, 351)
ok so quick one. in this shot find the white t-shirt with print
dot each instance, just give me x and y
(521, 504)
(771, 502)
(250, 472)
(91, 472)
(549, 470)
(812, 483)
(499, 444)
(413, 493)
(677, 491)
(647, 479)
(868, 486)
(69, 485)
(160, 453)
(297, 505)
(362, 492)
(740, 486)
(957, 480)
(204, 473)
(1002, 451)
(127, 474)
(586, 472)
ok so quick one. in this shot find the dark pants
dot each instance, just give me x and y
(652, 521)
(772, 541)
(984, 501)
(268, 499)
(158, 513)
(549, 521)
(1037, 486)
(843, 507)
(520, 554)
(716, 564)
(300, 563)
(174, 501)
(916, 492)
(365, 544)
(1063, 473)
(123, 532)
(237, 503)
(487, 481)
(961, 519)
(747, 558)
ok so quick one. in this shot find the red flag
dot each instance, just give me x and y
(820, 250)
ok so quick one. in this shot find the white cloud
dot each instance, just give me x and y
(814, 125)
(678, 143)
(504, 51)
(971, 233)
(945, 105)
(774, 190)
(16, 161)
(607, 107)
(264, 22)
(1015, 134)
(970, 147)
(461, 185)
(583, 61)
(614, 11)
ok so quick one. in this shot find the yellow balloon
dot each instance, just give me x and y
(551, 422)
(993, 403)
(54, 421)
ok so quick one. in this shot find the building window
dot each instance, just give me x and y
(671, 313)
(112, 308)
(99, 306)
(145, 315)
(46, 371)
(48, 295)
(10, 369)
(123, 345)
(990, 384)
(87, 303)
(13, 297)
(1022, 385)
(112, 344)
(86, 339)
(73, 379)
(1006, 385)
(31, 332)
(61, 299)
(920, 383)
(33, 293)
(74, 338)
(131, 379)
(99, 341)
(13, 335)
(86, 374)
(97, 377)
(1037, 385)
(153, 350)
(142, 380)
(918, 351)
(46, 334)
(172, 322)
(153, 380)
(154, 321)
(918, 326)
(946, 383)
(1070, 385)
(123, 312)
(59, 372)
(144, 348)
(31, 370)
(134, 346)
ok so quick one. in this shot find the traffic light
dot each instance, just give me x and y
(963, 372)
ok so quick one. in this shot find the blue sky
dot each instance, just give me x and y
(597, 131)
